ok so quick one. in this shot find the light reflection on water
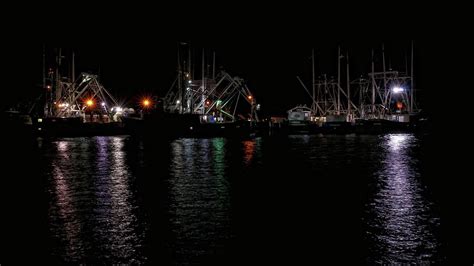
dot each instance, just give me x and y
(199, 196)
(95, 215)
(402, 223)
(92, 211)
(66, 211)
(252, 151)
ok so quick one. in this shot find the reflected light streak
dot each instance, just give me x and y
(68, 222)
(399, 206)
(199, 196)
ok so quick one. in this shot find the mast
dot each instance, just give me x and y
(58, 78)
(47, 106)
(373, 84)
(189, 103)
(384, 74)
(180, 80)
(203, 83)
(314, 83)
(348, 85)
(189, 59)
(73, 68)
(412, 89)
(325, 92)
(338, 110)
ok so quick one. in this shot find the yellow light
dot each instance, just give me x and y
(90, 102)
(146, 102)
(250, 97)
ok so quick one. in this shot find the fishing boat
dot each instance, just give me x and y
(211, 104)
(382, 102)
(76, 106)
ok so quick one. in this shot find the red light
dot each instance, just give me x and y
(399, 105)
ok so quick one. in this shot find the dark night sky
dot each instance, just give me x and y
(137, 57)
(269, 67)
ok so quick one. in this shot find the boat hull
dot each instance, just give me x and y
(184, 125)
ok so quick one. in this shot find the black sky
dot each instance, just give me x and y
(269, 67)
(136, 53)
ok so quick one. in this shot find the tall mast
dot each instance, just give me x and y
(338, 110)
(325, 92)
(203, 82)
(189, 59)
(383, 65)
(180, 80)
(47, 106)
(373, 84)
(58, 78)
(348, 85)
(314, 83)
(412, 88)
(73, 68)
(189, 103)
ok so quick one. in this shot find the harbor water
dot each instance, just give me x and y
(297, 198)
